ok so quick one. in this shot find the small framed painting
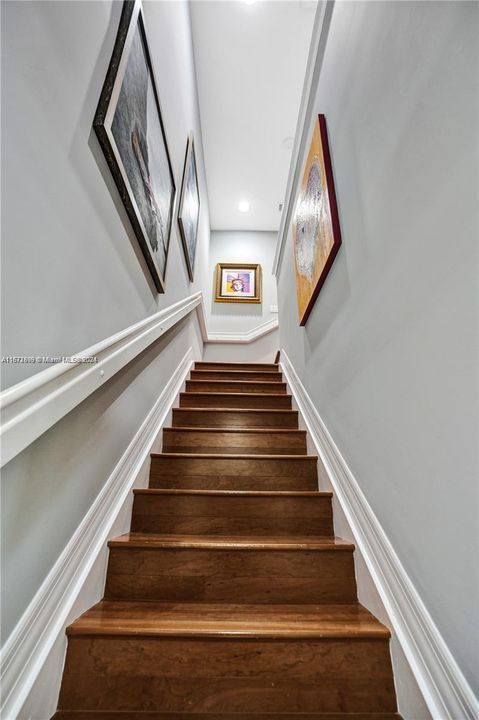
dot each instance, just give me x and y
(189, 209)
(315, 224)
(129, 127)
(238, 283)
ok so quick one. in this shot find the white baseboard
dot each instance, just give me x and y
(244, 337)
(44, 621)
(441, 682)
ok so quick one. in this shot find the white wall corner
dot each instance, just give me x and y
(416, 638)
(39, 635)
(246, 337)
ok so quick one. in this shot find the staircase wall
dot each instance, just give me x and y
(73, 272)
(389, 354)
(243, 247)
(71, 268)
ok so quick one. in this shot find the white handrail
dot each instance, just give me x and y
(32, 406)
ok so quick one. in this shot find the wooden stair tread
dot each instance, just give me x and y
(220, 417)
(236, 369)
(240, 383)
(230, 598)
(235, 493)
(271, 367)
(154, 715)
(226, 620)
(238, 542)
(233, 394)
(264, 431)
(243, 410)
(220, 456)
(231, 374)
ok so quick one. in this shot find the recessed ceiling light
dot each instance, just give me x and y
(249, 2)
(243, 206)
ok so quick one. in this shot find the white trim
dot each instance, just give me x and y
(31, 407)
(445, 689)
(27, 648)
(34, 405)
(244, 337)
(317, 47)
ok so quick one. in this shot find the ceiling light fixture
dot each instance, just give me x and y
(249, 2)
(243, 206)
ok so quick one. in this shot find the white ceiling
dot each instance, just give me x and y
(250, 65)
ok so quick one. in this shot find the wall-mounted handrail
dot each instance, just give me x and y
(32, 406)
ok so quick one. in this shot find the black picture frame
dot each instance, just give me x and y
(129, 126)
(189, 207)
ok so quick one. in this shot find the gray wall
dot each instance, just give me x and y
(248, 247)
(389, 353)
(71, 269)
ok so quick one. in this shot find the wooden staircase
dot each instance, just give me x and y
(230, 599)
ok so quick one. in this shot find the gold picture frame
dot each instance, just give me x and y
(238, 283)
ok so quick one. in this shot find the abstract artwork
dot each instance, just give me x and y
(130, 130)
(189, 210)
(238, 283)
(315, 224)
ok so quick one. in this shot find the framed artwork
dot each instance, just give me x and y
(238, 283)
(315, 224)
(129, 127)
(189, 208)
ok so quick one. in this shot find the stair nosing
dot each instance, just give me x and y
(238, 382)
(264, 431)
(239, 372)
(234, 493)
(229, 410)
(273, 366)
(237, 634)
(225, 543)
(229, 394)
(279, 627)
(231, 456)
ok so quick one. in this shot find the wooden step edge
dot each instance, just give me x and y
(237, 382)
(238, 634)
(205, 364)
(274, 373)
(349, 621)
(153, 541)
(195, 393)
(229, 410)
(236, 493)
(261, 431)
(165, 715)
(228, 457)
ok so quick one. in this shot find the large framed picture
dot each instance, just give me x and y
(129, 127)
(238, 283)
(315, 224)
(189, 208)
